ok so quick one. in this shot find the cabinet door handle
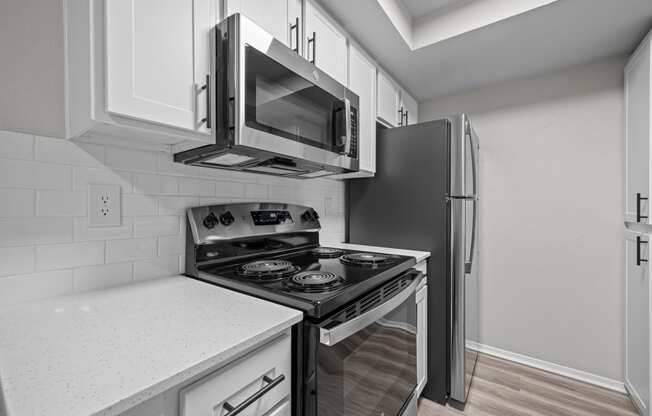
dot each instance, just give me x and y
(639, 260)
(407, 117)
(207, 87)
(400, 112)
(313, 40)
(639, 198)
(271, 383)
(295, 26)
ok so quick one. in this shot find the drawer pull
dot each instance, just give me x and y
(271, 383)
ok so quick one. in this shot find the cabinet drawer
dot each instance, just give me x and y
(237, 382)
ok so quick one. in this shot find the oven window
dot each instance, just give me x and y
(281, 102)
(373, 371)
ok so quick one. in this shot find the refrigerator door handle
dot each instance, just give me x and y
(474, 168)
(468, 266)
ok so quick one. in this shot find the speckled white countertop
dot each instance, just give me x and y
(104, 352)
(419, 255)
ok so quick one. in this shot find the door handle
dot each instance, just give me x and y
(234, 410)
(468, 266)
(639, 198)
(639, 260)
(295, 26)
(407, 117)
(207, 87)
(313, 40)
(400, 112)
(347, 118)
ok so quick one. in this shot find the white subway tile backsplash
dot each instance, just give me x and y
(196, 187)
(176, 205)
(35, 230)
(62, 151)
(61, 204)
(82, 232)
(44, 225)
(132, 249)
(25, 287)
(154, 184)
(15, 145)
(16, 202)
(170, 245)
(256, 191)
(137, 205)
(82, 177)
(130, 159)
(102, 276)
(24, 174)
(155, 226)
(229, 189)
(16, 260)
(64, 256)
(159, 267)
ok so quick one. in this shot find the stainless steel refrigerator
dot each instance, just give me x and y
(425, 197)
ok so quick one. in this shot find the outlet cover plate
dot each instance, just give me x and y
(104, 205)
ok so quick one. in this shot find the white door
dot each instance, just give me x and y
(278, 17)
(326, 45)
(388, 101)
(410, 109)
(362, 81)
(422, 338)
(637, 331)
(637, 137)
(206, 16)
(150, 51)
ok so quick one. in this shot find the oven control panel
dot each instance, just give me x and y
(271, 217)
(248, 219)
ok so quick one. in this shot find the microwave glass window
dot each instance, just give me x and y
(281, 102)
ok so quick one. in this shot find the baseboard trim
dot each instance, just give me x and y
(572, 373)
(636, 398)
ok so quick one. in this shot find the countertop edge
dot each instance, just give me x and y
(223, 358)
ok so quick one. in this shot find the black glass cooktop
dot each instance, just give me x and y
(317, 281)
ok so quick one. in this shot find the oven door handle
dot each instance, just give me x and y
(332, 336)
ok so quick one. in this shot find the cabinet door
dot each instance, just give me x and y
(388, 101)
(410, 109)
(637, 133)
(150, 67)
(206, 16)
(637, 328)
(422, 338)
(271, 15)
(239, 381)
(326, 45)
(362, 81)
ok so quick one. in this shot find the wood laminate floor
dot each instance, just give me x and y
(503, 388)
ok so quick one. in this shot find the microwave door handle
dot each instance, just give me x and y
(332, 336)
(347, 118)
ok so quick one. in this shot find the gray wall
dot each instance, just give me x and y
(552, 180)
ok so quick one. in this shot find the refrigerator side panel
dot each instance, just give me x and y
(404, 206)
(458, 310)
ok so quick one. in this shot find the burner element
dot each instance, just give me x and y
(314, 281)
(267, 269)
(366, 259)
(326, 252)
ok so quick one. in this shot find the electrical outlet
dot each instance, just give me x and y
(104, 206)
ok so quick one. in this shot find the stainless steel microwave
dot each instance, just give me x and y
(271, 111)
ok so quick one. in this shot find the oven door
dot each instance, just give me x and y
(367, 365)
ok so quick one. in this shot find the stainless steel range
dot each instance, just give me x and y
(355, 352)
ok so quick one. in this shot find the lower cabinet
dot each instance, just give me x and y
(422, 337)
(258, 384)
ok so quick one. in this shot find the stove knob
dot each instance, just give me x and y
(227, 218)
(306, 216)
(315, 215)
(211, 221)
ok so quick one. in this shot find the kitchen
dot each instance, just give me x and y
(267, 208)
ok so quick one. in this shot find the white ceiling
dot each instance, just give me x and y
(555, 36)
(420, 8)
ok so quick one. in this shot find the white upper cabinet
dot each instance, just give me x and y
(388, 107)
(325, 44)
(281, 18)
(156, 58)
(410, 109)
(638, 93)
